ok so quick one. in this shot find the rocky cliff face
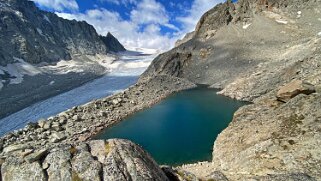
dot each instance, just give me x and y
(37, 36)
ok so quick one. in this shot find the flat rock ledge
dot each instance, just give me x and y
(113, 159)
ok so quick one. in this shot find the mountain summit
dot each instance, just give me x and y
(38, 36)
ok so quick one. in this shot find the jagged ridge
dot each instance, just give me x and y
(38, 36)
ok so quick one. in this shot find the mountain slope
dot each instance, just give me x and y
(42, 55)
(253, 50)
(37, 36)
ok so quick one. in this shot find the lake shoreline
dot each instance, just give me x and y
(81, 123)
(186, 124)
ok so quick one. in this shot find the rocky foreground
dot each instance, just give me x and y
(46, 150)
(263, 51)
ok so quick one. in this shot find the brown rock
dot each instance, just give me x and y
(293, 89)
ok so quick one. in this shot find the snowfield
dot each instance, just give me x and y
(16, 71)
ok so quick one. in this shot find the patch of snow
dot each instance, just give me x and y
(64, 67)
(144, 50)
(40, 32)
(319, 34)
(46, 18)
(299, 12)
(19, 14)
(246, 26)
(281, 21)
(319, 19)
(52, 82)
(1, 72)
(277, 17)
(103, 60)
(19, 69)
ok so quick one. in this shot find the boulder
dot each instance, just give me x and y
(293, 89)
(13, 148)
(85, 167)
(41, 123)
(56, 137)
(37, 155)
(59, 165)
(217, 175)
(76, 118)
(178, 174)
(47, 125)
(96, 160)
(14, 169)
(123, 160)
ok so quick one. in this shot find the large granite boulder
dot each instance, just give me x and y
(95, 160)
(123, 160)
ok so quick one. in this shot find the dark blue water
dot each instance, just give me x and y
(181, 129)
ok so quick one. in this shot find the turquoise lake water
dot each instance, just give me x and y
(181, 129)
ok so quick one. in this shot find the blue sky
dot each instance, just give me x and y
(154, 24)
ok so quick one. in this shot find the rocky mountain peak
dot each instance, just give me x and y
(36, 36)
(112, 43)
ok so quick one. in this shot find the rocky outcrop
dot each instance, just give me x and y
(293, 89)
(185, 39)
(113, 45)
(95, 160)
(37, 36)
(277, 139)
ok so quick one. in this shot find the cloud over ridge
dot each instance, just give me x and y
(147, 19)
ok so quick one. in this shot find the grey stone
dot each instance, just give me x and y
(13, 148)
(85, 167)
(59, 165)
(37, 155)
(41, 123)
(56, 137)
(14, 169)
(76, 118)
(124, 160)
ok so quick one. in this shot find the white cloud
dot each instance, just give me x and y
(143, 28)
(58, 5)
(119, 2)
(149, 11)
